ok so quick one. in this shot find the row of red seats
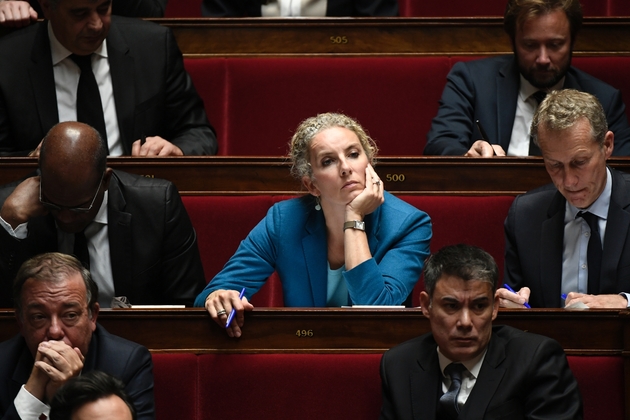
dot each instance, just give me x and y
(428, 8)
(322, 386)
(255, 104)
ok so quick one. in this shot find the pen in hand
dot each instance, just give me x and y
(507, 286)
(484, 135)
(233, 311)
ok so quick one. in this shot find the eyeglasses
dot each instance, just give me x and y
(54, 207)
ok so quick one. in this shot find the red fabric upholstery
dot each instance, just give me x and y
(291, 386)
(208, 76)
(176, 386)
(394, 98)
(601, 382)
(221, 223)
(183, 8)
(322, 386)
(617, 7)
(471, 220)
(612, 70)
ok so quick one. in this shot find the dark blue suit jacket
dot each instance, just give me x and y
(487, 90)
(523, 376)
(291, 239)
(127, 361)
(154, 95)
(534, 237)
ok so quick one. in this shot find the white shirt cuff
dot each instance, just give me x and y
(627, 296)
(28, 407)
(20, 232)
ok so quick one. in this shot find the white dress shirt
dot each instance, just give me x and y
(293, 8)
(28, 407)
(526, 106)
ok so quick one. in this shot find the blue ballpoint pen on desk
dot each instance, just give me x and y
(507, 286)
(563, 296)
(233, 311)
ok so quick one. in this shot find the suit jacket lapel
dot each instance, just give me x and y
(614, 239)
(120, 238)
(551, 249)
(43, 79)
(507, 89)
(315, 254)
(425, 382)
(486, 385)
(121, 67)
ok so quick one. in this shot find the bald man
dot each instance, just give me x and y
(139, 239)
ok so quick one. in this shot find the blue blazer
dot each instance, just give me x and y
(487, 90)
(291, 240)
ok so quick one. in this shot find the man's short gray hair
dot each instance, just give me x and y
(561, 109)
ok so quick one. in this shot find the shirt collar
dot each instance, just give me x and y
(600, 206)
(59, 52)
(473, 365)
(527, 89)
(101, 216)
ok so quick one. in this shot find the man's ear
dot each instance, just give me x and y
(46, 8)
(425, 303)
(107, 177)
(310, 185)
(94, 314)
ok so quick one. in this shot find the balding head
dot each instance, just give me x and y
(73, 165)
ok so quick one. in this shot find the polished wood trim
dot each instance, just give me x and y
(337, 330)
(425, 175)
(225, 37)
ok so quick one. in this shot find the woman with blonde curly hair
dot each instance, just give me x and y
(347, 242)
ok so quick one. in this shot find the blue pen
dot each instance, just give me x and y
(507, 286)
(233, 311)
(563, 296)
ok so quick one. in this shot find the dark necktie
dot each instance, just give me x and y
(448, 407)
(593, 252)
(533, 149)
(89, 105)
(81, 249)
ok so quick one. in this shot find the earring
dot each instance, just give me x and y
(318, 205)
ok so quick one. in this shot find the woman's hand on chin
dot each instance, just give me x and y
(370, 198)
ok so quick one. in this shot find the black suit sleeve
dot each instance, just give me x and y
(187, 123)
(452, 129)
(138, 381)
(513, 272)
(182, 271)
(552, 391)
(618, 124)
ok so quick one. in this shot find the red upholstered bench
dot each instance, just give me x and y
(290, 386)
(322, 386)
(176, 386)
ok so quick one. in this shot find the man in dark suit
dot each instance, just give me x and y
(149, 104)
(133, 231)
(466, 368)
(571, 238)
(56, 311)
(502, 93)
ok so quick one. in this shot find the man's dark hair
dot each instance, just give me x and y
(84, 389)
(466, 262)
(518, 11)
(53, 267)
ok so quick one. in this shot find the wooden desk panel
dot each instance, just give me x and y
(225, 37)
(221, 175)
(336, 330)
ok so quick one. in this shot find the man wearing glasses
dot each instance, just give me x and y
(132, 232)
